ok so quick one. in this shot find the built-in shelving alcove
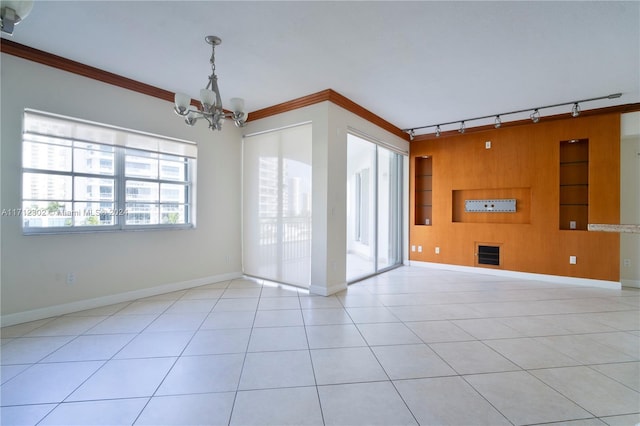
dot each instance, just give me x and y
(423, 173)
(574, 184)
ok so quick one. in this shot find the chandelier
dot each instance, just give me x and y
(12, 12)
(210, 102)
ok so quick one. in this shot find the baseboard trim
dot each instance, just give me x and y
(327, 291)
(631, 283)
(98, 302)
(587, 282)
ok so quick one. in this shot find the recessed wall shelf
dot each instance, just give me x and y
(423, 174)
(574, 184)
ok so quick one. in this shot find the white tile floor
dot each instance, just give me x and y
(411, 346)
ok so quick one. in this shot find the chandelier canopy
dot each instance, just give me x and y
(210, 102)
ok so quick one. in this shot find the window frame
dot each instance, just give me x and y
(125, 142)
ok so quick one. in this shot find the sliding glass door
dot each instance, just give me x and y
(389, 250)
(374, 208)
(277, 205)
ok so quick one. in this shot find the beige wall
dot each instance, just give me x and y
(630, 198)
(114, 266)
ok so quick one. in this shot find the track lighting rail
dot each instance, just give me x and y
(535, 115)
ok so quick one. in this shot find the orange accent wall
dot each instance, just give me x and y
(522, 163)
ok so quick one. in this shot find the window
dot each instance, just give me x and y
(82, 176)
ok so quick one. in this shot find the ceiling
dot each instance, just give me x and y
(412, 63)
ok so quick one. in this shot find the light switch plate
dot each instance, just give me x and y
(572, 260)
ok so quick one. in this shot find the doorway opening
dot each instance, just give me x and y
(374, 208)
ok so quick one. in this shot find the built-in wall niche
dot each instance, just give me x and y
(574, 184)
(423, 174)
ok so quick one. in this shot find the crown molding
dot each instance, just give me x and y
(335, 98)
(45, 58)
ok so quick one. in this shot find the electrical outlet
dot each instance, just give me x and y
(413, 248)
(487, 145)
(572, 224)
(437, 250)
(71, 278)
(626, 263)
(572, 260)
(419, 249)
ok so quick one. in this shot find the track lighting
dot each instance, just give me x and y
(412, 134)
(575, 111)
(535, 116)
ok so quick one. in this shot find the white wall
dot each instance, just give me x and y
(331, 124)
(630, 197)
(115, 266)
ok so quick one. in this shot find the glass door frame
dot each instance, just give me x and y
(399, 196)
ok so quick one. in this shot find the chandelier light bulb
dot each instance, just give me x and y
(207, 97)
(182, 102)
(13, 12)
(237, 104)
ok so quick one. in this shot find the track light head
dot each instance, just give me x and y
(462, 127)
(412, 134)
(438, 131)
(535, 116)
(498, 122)
(575, 111)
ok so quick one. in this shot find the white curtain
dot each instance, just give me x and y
(277, 205)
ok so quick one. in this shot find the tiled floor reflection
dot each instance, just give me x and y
(411, 346)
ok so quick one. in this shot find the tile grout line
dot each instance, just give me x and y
(313, 370)
(177, 358)
(246, 352)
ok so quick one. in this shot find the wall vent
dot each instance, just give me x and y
(488, 254)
